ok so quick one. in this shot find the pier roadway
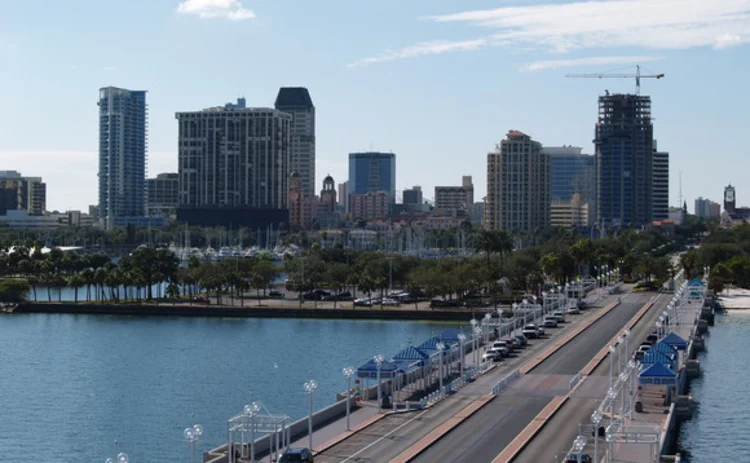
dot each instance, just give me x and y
(556, 438)
(485, 434)
(394, 434)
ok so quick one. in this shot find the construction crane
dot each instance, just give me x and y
(637, 76)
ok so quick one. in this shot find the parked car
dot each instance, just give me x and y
(652, 338)
(276, 294)
(363, 302)
(389, 301)
(522, 341)
(574, 310)
(315, 295)
(492, 355)
(531, 331)
(342, 296)
(296, 456)
(578, 458)
(201, 299)
(550, 322)
(582, 305)
(559, 316)
(502, 347)
(512, 342)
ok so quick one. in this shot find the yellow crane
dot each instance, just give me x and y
(637, 76)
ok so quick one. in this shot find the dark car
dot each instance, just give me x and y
(581, 305)
(578, 458)
(315, 295)
(276, 294)
(296, 456)
(342, 296)
(522, 341)
(201, 299)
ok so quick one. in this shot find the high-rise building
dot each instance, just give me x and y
(163, 195)
(343, 196)
(122, 155)
(297, 102)
(660, 185)
(370, 206)
(518, 197)
(22, 193)
(234, 166)
(572, 173)
(372, 172)
(412, 196)
(730, 199)
(707, 209)
(624, 152)
(455, 200)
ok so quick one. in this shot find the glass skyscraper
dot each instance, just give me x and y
(624, 151)
(372, 172)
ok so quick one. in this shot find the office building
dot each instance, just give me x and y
(571, 213)
(624, 152)
(123, 125)
(296, 101)
(374, 205)
(412, 196)
(730, 198)
(234, 166)
(660, 185)
(518, 196)
(163, 195)
(17, 192)
(455, 200)
(343, 196)
(707, 209)
(372, 172)
(572, 173)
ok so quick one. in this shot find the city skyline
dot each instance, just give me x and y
(435, 77)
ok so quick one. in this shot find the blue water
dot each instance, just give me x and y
(72, 384)
(720, 430)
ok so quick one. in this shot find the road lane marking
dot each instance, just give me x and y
(384, 436)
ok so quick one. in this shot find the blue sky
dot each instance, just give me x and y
(438, 82)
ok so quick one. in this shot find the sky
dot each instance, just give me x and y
(437, 82)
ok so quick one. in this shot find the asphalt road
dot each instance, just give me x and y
(483, 436)
(556, 438)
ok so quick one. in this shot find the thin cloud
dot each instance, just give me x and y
(422, 49)
(584, 25)
(205, 9)
(593, 60)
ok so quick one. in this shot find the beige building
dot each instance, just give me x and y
(518, 185)
(369, 206)
(454, 200)
(569, 214)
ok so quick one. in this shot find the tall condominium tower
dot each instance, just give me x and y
(624, 155)
(122, 155)
(660, 185)
(24, 193)
(371, 172)
(518, 188)
(297, 102)
(234, 166)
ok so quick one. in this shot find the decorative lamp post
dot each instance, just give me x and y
(486, 324)
(461, 339)
(122, 457)
(477, 332)
(348, 373)
(251, 411)
(310, 387)
(379, 359)
(596, 418)
(192, 436)
(440, 348)
(612, 351)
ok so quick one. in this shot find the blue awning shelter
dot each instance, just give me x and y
(675, 341)
(657, 374)
(449, 336)
(388, 370)
(430, 346)
(653, 357)
(696, 283)
(411, 356)
(666, 349)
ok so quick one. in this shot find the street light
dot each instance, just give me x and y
(251, 411)
(122, 457)
(310, 387)
(477, 332)
(348, 373)
(596, 418)
(440, 348)
(461, 339)
(192, 436)
(611, 363)
(379, 359)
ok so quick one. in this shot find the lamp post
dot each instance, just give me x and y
(461, 339)
(251, 410)
(122, 457)
(192, 436)
(611, 363)
(477, 332)
(348, 373)
(486, 325)
(379, 359)
(441, 348)
(631, 367)
(596, 418)
(310, 387)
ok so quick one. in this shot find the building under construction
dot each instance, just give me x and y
(624, 153)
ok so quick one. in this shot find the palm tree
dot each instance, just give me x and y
(75, 281)
(33, 281)
(88, 280)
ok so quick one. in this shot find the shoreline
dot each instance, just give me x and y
(165, 310)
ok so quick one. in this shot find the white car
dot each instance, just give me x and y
(559, 316)
(550, 322)
(492, 356)
(574, 310)
(502, 347)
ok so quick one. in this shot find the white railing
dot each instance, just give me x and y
(501, 385)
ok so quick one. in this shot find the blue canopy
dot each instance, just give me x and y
(430, 345)
(370, 370)
(657, 374)
(675, 341)
(696, 282)
(410, 355)
(665, 349)
(653, 356)
(449, 336)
